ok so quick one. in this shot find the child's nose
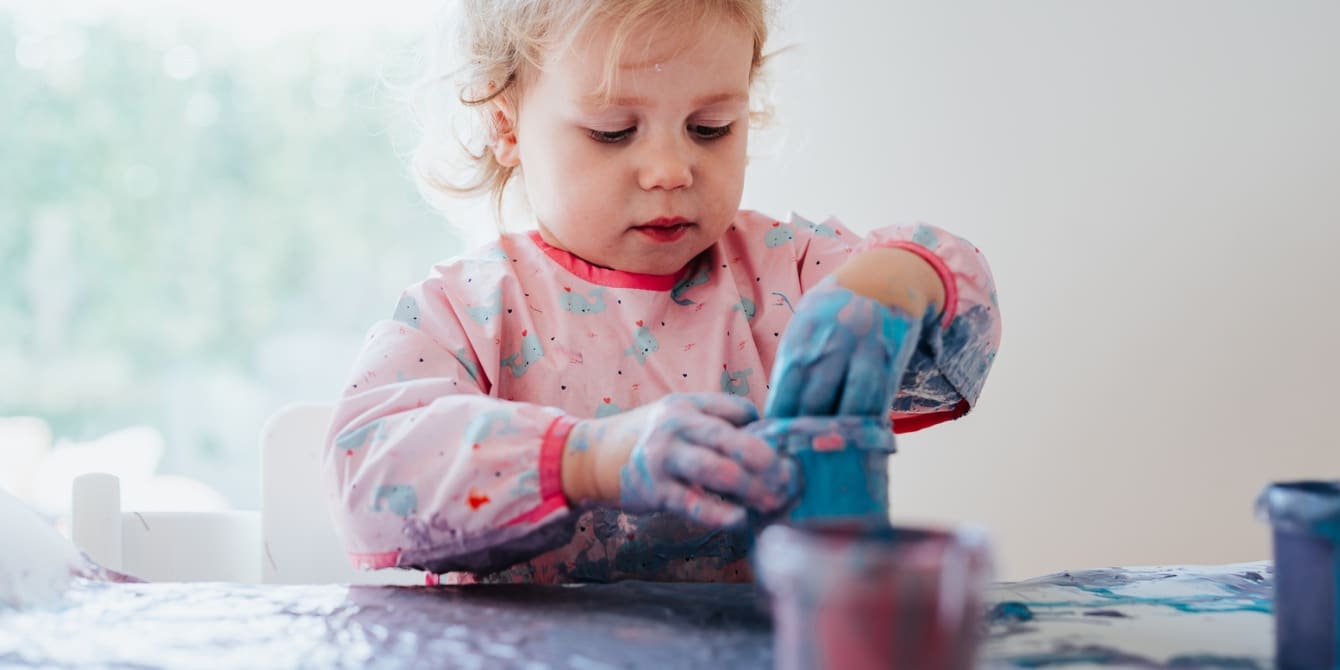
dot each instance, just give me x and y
(667, 164)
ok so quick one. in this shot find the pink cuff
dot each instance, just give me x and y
(910, 423)
(551, 458)
(941, 268)
(551, 472)
(378, 561)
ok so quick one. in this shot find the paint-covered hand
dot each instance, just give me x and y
(687, 453)
(842, 354)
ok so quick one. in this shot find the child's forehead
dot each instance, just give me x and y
(594, 56)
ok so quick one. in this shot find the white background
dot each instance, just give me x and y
(1157, 188)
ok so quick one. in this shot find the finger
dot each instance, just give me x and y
(801, 345)
(760, 457)
(702, 507)
(809, 371)
(747, 449)
(788, 382)
(733, 409)
(718, 474)
(904, 333)
(823, 382)
(867, 383)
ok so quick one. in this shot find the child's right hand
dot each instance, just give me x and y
(843, 353)
(675, 454)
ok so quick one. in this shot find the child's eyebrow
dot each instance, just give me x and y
(596, 100)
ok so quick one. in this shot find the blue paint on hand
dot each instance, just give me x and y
(842, 354)
(687, 453)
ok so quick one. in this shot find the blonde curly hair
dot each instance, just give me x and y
(488, 49)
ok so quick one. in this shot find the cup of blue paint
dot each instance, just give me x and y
(891, 598)
(1305, 517)
(843, 463)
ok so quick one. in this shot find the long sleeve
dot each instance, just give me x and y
(946, 373)
(425, 467)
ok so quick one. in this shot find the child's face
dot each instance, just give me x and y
(648, 181)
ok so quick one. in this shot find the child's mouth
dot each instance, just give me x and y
(665, 230)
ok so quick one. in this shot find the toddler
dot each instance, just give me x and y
(569, 403)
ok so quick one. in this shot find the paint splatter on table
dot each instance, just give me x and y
(1159, 617)
(1180, 617)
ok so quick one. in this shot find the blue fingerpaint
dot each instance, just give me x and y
(1249, 592)
(842, 462)
(606, 408)
(968, 335)
(1009, 611)
(407, 311)
(1107, 656)
(1090, 654)
(702, 276)
(849, 486)
(1212, 661)
(842, 353)
(637, 486)
(783, 300)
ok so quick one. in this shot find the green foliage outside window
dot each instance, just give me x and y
(194, 232)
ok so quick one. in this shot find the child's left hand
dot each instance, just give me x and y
(842, 354)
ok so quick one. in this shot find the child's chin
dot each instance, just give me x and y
(667, 265)
(662, 259)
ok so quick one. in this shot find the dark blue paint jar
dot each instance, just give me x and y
(1305, 516)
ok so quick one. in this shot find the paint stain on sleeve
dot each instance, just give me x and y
(476, 500)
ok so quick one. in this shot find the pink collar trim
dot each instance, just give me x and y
(605, 276)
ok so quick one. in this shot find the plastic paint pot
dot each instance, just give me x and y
(1305, 516)
(894, 599)
(843, 462)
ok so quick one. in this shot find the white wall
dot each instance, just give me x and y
(1157, 187)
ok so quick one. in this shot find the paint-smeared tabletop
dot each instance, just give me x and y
(1157, 617)
(1147, 617)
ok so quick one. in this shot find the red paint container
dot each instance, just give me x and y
(895, 598)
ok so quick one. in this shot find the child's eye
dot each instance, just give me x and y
(710, 132)
(610, 136)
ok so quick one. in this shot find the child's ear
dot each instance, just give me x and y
(502, 121)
